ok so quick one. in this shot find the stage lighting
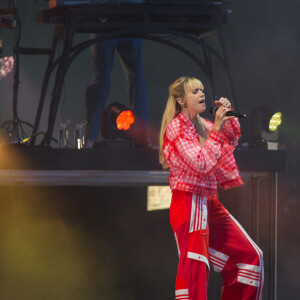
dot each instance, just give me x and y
(117, 122)
(275, 121)
(264, 125)
(124, 120)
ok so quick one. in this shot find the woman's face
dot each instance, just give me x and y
(195, 100)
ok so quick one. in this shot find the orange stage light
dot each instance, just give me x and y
(117, 122)
(125, 119)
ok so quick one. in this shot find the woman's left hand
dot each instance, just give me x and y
(223, 102)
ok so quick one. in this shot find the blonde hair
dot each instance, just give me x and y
(179, 89)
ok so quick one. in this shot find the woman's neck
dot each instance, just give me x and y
(191, 116)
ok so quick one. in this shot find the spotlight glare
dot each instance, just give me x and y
(124, 120)
(275, 121)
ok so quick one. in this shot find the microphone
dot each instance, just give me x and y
(213, 110)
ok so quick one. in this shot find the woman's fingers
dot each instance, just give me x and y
(221, 118)
(221, 112)
(229, 117)
(218, 103)
(223, 102)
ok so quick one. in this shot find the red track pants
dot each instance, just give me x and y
(205, 231)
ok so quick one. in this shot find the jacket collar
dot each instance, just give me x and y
(187, 122)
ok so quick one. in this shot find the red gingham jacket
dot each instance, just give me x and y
(197, 169)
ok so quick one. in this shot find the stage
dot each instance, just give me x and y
(75, 224)
(107, 180)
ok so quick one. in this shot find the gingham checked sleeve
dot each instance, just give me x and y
(232, 131)
(197, 158)
(226, 171)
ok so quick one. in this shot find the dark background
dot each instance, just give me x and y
(101, 243)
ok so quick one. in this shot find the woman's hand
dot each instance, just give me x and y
(224, 106)
(223, 102)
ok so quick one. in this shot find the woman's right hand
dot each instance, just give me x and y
(221, 118)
